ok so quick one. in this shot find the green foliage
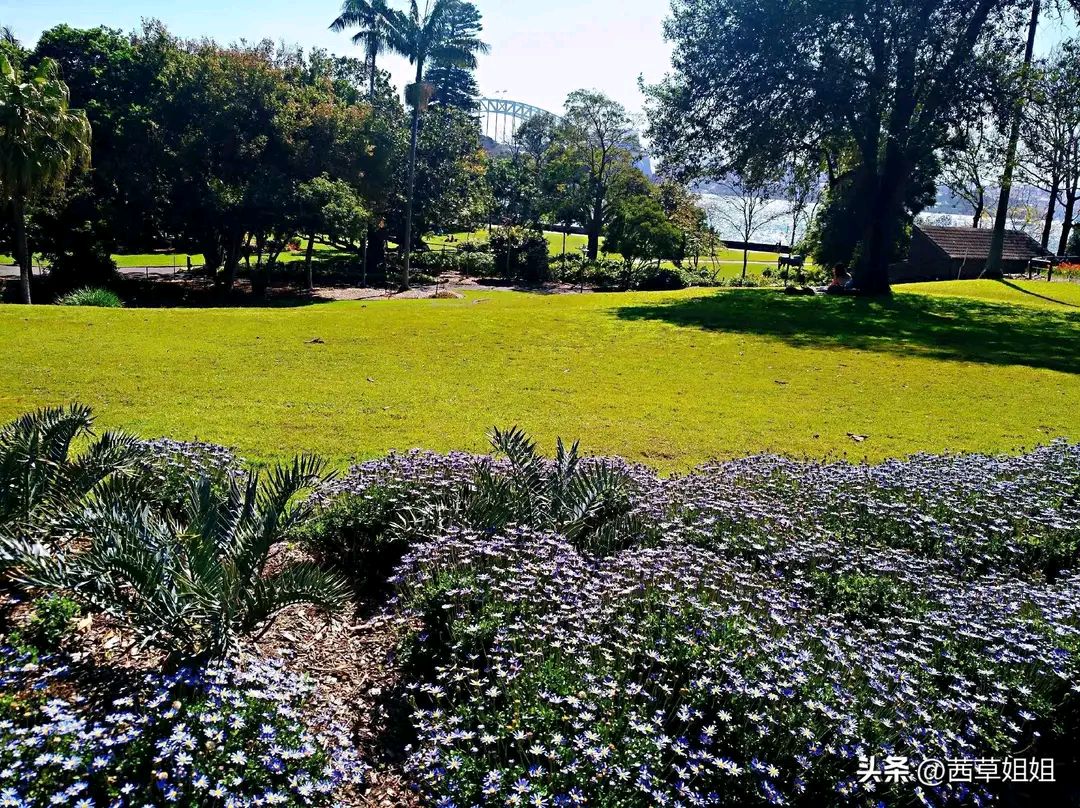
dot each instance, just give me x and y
(592, 155)
(587, 501)
(102, 298)
(354, 535)
(42, 141)
(332, 208)
(866, 595)
(450, 189)
(454, 83)
(931, 65)
(51, 622)
(520, 254)
(640, 231)
(192, 584)
(44, 484)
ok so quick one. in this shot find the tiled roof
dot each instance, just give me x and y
(974, 243)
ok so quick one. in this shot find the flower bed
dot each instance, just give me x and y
(227, 735)
(794, 618)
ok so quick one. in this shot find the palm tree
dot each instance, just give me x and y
(42, 140)
(420, 37)
(373, 18)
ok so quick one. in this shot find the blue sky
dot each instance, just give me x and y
(541, 49)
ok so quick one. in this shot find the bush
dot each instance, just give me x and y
(83, 270)
(661, 279)
(477, 264)
(51, 621)
(192, 584)
(794, 617)
(435, 261)
(475, 246)
(353, 533)
(520, 254)
(102, 298)
(228, 735)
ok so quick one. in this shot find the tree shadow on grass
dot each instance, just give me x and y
(904, 324)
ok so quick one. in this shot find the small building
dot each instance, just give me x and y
(960, 253)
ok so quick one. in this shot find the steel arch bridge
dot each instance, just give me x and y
(501, 118)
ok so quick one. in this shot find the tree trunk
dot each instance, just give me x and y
(307, 261)
(1048, 221)
(369, 234)
(997, 240)
(232, 260)
(371, 82)
(888, 187)
(977, 218)
(22, 251)
(596, 221)
(407, 246)
(1067, 224)
(745, 251)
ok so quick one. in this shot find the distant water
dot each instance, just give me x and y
(777, 221)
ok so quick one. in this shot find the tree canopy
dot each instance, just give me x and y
(884, 79)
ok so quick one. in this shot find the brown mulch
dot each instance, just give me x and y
(351, 660)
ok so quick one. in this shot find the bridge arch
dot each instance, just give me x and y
(500, 117)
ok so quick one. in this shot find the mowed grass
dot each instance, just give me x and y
(671, 379)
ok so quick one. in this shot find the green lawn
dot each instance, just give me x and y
(671, 379)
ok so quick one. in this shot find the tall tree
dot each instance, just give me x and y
(375, 32)
(971, 162)
(886, 76)
(421, 36)
(597, 133)
(748, 208)
(1050, 136)
(454, 84)
(997, 238)
(42, 141)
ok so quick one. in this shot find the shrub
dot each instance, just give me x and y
(192, 585)
(167, 467)
(661, 279)
(474, 247)
(435, 261)
(520, 254)
(476, 264)
(228, 735)
(353, 533)
(82, 269)
(88, 296)
(51, 621)
(794, 617)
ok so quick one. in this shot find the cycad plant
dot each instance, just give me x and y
(193, 583)
(588, 502)
(43, 483)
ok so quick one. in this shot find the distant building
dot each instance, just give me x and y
(960, 253)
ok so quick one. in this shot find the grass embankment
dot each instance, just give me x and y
(670, 379)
